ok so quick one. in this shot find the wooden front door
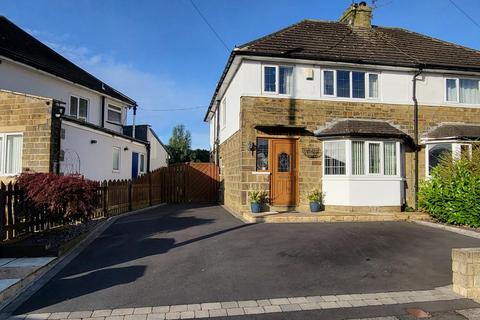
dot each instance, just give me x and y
(283, 166)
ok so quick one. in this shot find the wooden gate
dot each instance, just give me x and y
(189, 182)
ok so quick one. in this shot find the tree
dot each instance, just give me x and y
(200, 155)
(179, 144)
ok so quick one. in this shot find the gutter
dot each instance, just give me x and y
(415, 131)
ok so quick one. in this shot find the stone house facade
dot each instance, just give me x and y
(287, 118)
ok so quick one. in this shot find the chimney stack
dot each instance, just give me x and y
(358, 15)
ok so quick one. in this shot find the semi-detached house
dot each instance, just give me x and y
(56, 117)
(360, 111)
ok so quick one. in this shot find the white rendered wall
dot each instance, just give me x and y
(96, 160)
(363, 192)
(158, 154)
(19, 78)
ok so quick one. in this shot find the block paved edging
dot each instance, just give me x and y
(45, 274)
(468, 233)
(252, 307)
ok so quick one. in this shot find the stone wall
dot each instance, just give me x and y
(315, 114)
(30, 115)
(466, 272)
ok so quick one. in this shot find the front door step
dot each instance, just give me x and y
(282, 208)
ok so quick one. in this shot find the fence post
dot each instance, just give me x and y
(3, 196)
(105, 198)
(150, 189)
(129, 196)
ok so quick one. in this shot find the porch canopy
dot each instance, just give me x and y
(453, 131)
(362, 129)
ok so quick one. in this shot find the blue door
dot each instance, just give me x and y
(134, 164)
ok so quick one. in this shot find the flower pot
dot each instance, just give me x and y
(315, 206)
(256, 207)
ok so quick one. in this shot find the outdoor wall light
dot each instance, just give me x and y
(93, 141)
(252, 146)
(125, 149)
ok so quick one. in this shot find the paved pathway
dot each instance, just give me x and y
(252, 307)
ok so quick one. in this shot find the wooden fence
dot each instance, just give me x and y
(181, 183)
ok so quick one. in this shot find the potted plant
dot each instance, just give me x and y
(256, 200)
(316, 199)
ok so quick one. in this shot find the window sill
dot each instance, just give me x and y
(114, 123)
(261, 172)
(362, 178)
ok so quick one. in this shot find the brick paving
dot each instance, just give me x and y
(253, 307)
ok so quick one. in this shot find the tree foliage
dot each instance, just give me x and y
(452, 194)
(179, 144)
(71, 196)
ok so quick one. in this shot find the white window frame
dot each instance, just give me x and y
(77, 116)
(223, 113)
(277, 79)
(348, 161)
(3, 149)
(366, 79)
(114, 108)
(455, 149)
(457, 83)
(119, 159)
(140, 156)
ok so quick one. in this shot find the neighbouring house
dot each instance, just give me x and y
(56, 117)
(360, 111)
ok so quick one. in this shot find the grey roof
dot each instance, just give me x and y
(361, 128)
(454, 131)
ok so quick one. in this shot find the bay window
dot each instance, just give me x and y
(350, 84)
(277, 79)
(460, 90)
(11, 147)
(362, 157)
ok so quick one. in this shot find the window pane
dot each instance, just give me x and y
(116, 159)
(334, 158)
(358, 162)
(269, 79)
(114, 116)
(374, 158)
(390, 155)
(14, 154)
(358, 84)
(283, 162)
(142, 163)
(328, 83)
(373, 85)
(73, 106)
(343, 83)
(285, 80)
(469, 92)
(452, 90)
(82, 109)
(435, 154)
(262, 154)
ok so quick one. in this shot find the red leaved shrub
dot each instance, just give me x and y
(71, 196)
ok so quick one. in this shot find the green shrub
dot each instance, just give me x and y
(452, 194)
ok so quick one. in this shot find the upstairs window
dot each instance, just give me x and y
(114, 114)
(79, 108)
(350, 84)
(277, 79)
(465, 91)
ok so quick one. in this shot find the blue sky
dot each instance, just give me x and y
(162, 54)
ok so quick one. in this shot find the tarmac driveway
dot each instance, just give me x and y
(177, 254)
